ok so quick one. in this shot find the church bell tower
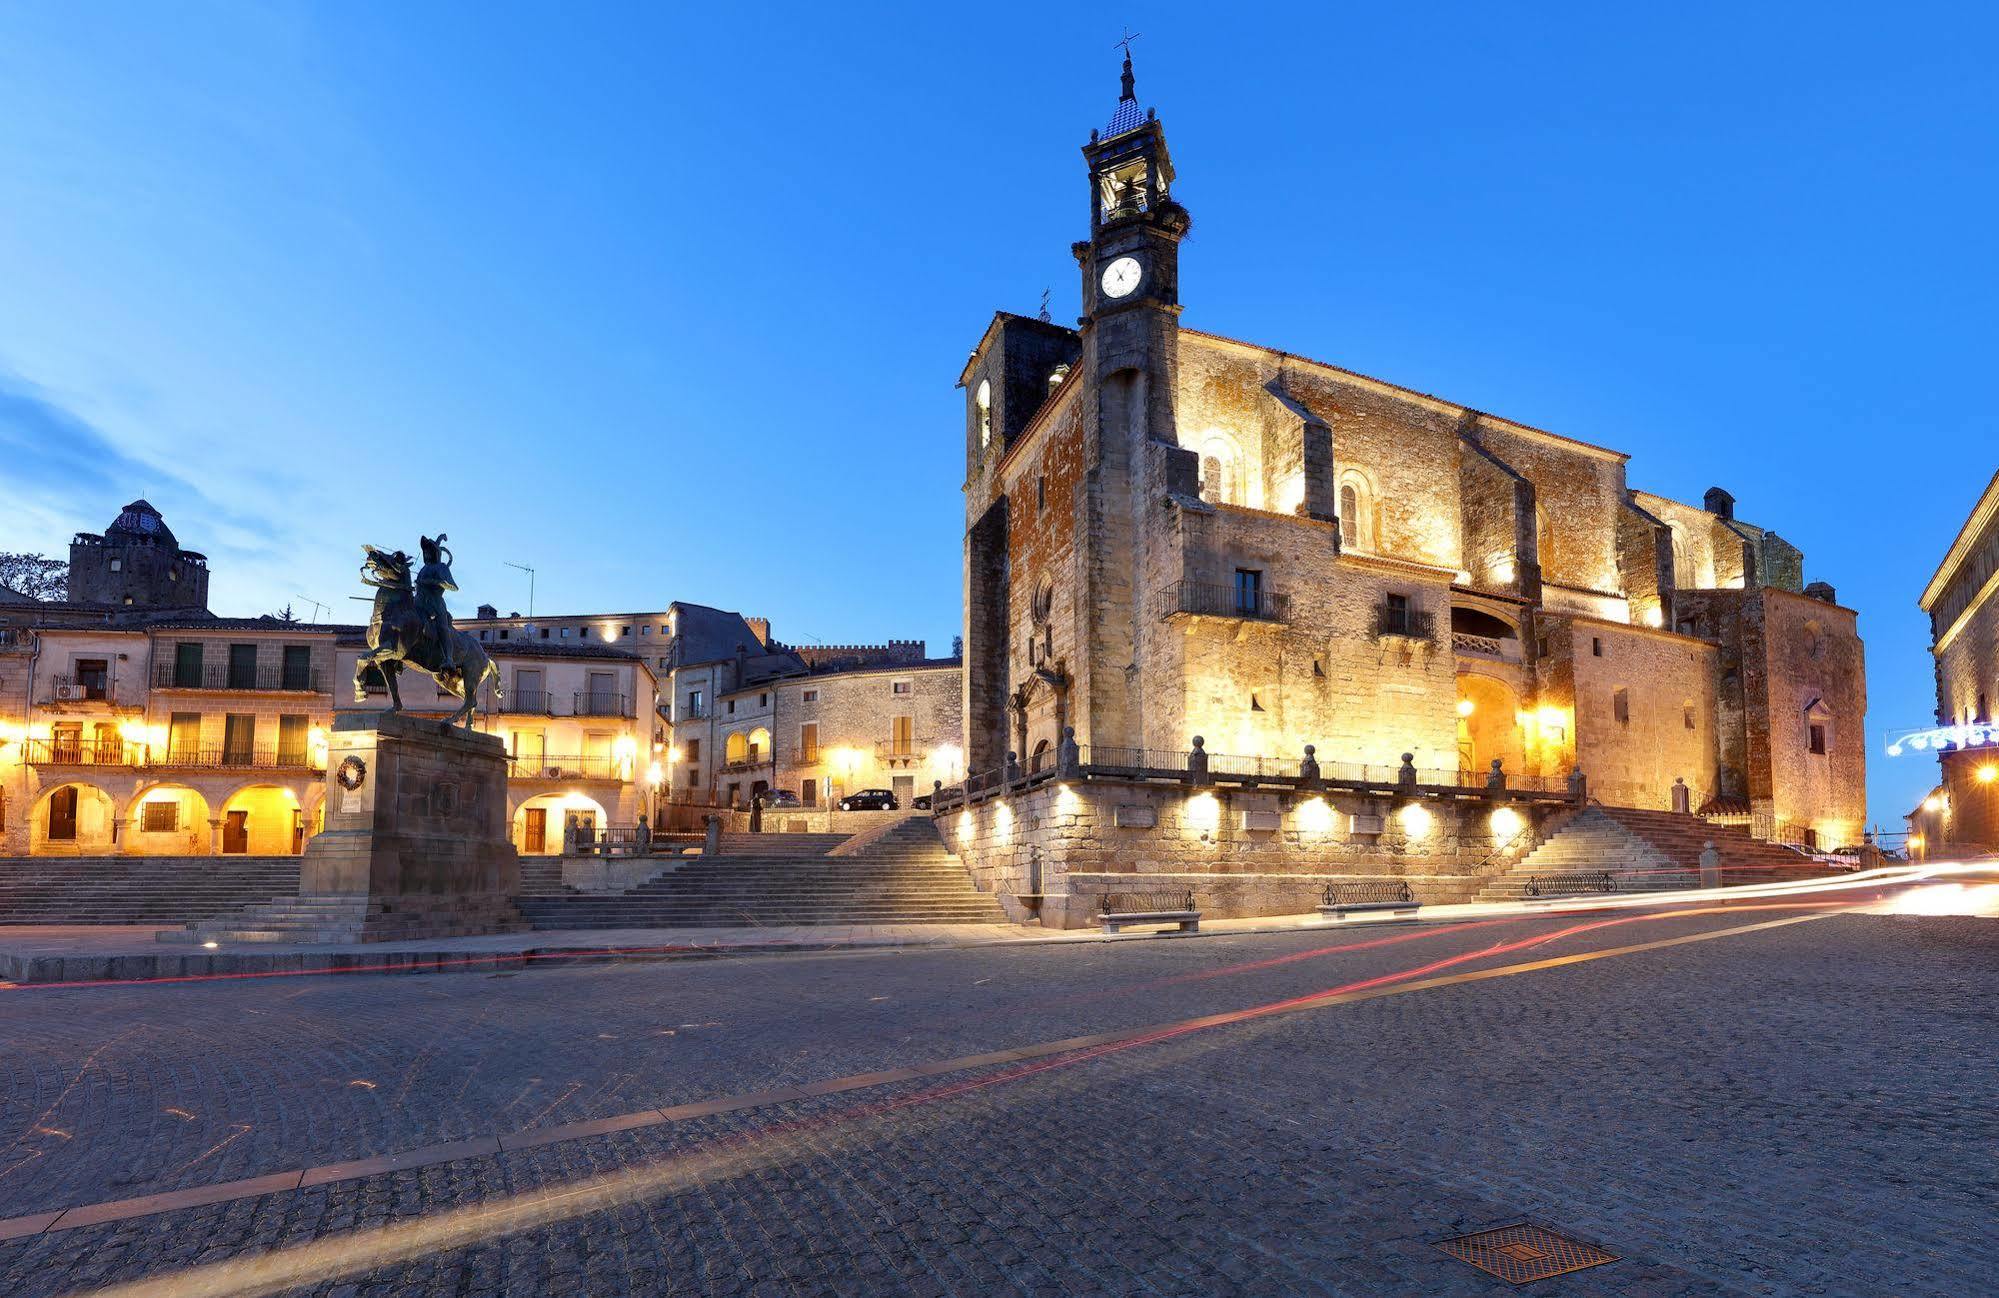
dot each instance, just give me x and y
(1131, 349)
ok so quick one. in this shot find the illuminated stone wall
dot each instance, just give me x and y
(1665, 729)
(853, 715)
(1243, 853)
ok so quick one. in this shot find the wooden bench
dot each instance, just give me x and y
(1342, 899)
(1570, 882)
(1175, 906)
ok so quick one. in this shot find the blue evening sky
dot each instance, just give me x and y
(668, 300)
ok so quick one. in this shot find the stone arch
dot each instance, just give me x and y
(558, 810)
(75, 818)
(982, 405)
(1222, 477)
(273, 821)
(185, 831)
(759, 744)
(1354, 504)
(1489, 725)
(736, 747)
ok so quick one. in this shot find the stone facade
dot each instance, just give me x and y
(1962, 601)
(1191, 534)
(1053, 849)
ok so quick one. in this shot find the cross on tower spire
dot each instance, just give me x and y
(1128, 90)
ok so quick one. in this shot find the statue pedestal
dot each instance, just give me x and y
(415, 843)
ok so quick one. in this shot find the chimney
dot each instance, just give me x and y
(1719, 502)
(1821, 590)
(487, 612)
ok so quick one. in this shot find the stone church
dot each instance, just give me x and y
(1171, 533)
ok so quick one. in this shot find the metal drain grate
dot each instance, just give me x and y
(1524, 1252)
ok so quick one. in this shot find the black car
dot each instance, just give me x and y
(870, 800)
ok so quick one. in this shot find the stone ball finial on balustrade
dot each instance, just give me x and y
(1578, 786)
(1308, 770)
(1683, 797)
(1012, 766)
(1496, 781)
(1068, 753)
(1197, 762)
(1406, 776)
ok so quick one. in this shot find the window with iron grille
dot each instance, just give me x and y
(159, 817)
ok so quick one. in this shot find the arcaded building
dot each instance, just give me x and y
(1173, 534)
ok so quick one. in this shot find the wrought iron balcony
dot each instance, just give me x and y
(524, 703)
(1411, 623)
(569, 766)
(78, 689)
(264, 759)
(900, 750)
(273, 680)
(593, 704)
(753, 760)
(78, 752)
(1214, 599)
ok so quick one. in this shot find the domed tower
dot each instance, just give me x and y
(137, 562)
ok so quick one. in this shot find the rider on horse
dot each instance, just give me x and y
(432, 580)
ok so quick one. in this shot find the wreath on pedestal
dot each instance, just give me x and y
(351, 773)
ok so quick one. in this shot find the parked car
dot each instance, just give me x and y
(870, 800)
(921, 801)
(781, 798)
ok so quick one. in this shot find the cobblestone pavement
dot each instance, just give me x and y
(1800, 1110)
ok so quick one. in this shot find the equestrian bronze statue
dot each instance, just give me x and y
(411, 626)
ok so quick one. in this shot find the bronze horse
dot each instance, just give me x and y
(409, 626)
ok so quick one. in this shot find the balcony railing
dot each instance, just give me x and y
(267, 759)
(900, 749)
(1210, 599)
(59, 752)
(524, 703)
(78, 689)
(1411, 623)
(691, 712)
(1185, 767)
(593, 704)
(569, 766)
(1468, 645)
(753, 760)
(289, 680)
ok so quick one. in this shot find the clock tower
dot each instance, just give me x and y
(1130, 335)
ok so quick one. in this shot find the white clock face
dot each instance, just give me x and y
(1122, 276)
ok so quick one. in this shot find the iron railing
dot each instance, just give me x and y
(1413, 623)
(58, 752)
(569, 766)
(524, 703)
(270, 759)
(1104, 761)
(901, 749)
(595, 704)
(66, 688)
(274, 679)
(1215, 599)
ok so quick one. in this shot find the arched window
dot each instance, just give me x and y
(1356, 513)
(759, 743)
(1221, 471)
(736, 748)
(1683, 560)
(984, 404)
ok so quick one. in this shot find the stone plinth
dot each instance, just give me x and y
(415, 843)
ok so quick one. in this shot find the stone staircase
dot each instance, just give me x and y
(904, 877)
(147, 890)
(1648, 851)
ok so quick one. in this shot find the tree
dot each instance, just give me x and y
(284, 614)
(35, 575)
